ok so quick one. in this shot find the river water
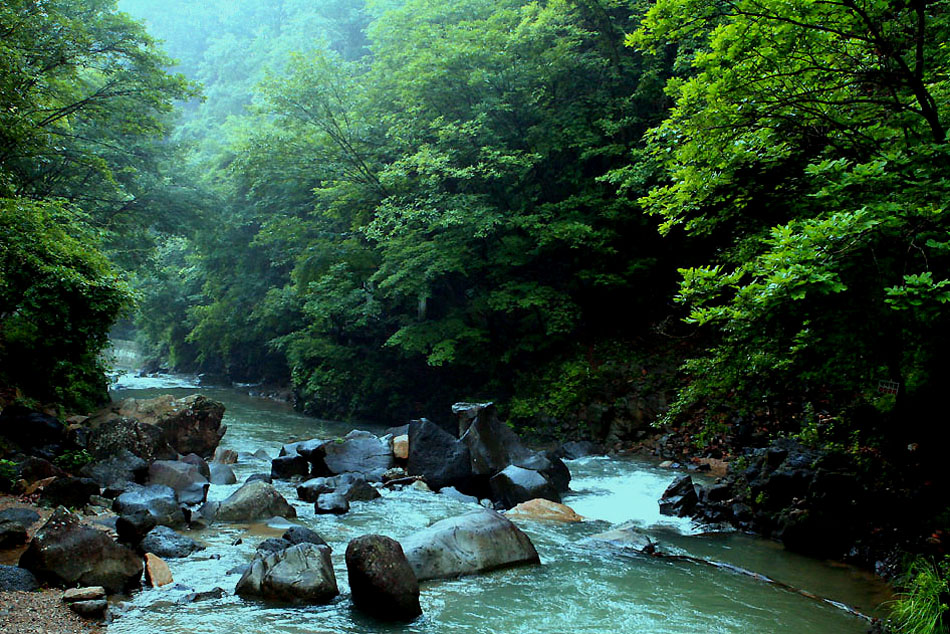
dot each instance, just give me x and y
(581, 586)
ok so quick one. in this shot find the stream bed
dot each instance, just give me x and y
(581, 586)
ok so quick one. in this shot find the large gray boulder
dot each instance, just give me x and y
(299, 573)
(222, 474)
(680, 498)
(359, 452)
(158, 499)
(186, 479)
(515, 485)
(382, 582)
(118, 470)
(475, 542)
(65, 553)
(113, 437)
(255, 500)
(437, 456)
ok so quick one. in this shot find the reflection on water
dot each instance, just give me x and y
(579, 587)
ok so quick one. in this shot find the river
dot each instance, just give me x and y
(580, 587)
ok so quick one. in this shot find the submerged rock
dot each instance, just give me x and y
(544, 510)
(382, 582)
(475, 542)
(298, 573)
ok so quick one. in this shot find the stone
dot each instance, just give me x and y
(159, 500)
(517, 484)
(187, 480)
(272, 545)
(299, 573)
(575, 449)
(157, 573)
(168, 544)
(286, 467)
(551, 467)
(478, 541)
(63, 552)
(117, 471)
(437, 456)
(355, 488)
(34, 469)
(310, 490)
(262, 477)
(401, 447)
(189, 425)
(207, 595)
(359, 452)
(679, 498)
(222, 474)
(225, 456)
(29, 428)
(627, 537)
(303, 535)
(16, 579)
(544, 510)
(90, 609)
(70, 492)
(493, 445)
(466, 413)
(14, 526)
(254, 501)
(113, 437)
(198, 461)
(382, 583)
(332, 503)
(134, 526)
(89, 593)
(455, 494)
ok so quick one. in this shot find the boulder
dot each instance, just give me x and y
(517, 484)
(262, 477)
(493, 445)
(89, 593)
(90, 609)
(16, 579)
(113, 437)
(401, 447)
(189, 425)
(70, 492)
(198, 461)
(168, 544)
(286, 467)
(225, 456)
(302, 535)
(310, 490)
(117, 471)
(14, 526)
(299, 573)
(575, 449)
(466, 413)
(157, 573)
(628, 538)
(475, 542)
(34, 469)
(544, 510)
(382, 582)
(332, 503)
(158, 499)
(134, 526)
(359, 452)
(455, 494)
(437, 456)
(551, 467)
(680, 497)
(254, 501)
(31, 429)
(187, 480)
(222, 474)
(355, 488)
(65, 553)
(272, 545)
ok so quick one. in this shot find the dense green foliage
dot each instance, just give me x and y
(84, 102)
(921, 607)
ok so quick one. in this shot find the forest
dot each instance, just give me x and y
(728, 219)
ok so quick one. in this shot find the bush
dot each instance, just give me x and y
(922, 606)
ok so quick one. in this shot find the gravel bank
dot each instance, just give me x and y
(41, 612)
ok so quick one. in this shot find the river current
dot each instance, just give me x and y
(582, 586)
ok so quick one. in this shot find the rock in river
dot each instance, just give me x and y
(168, 544)
(299, 573)
(255, 500)
(382, 582)
(515, 485)
(359, 452)
(475, 542)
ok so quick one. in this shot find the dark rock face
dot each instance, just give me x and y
(187, 480)
(70, 492)
(382, 582)
(31, 429)
(198, 461)
(33, 469)
(310, 490)
(65, 553)
(299, 573)
(117, 471)
(133, 527)
(360, 452)
(263, 477)
(437, 456)
(94, 609)
(168, 544)
(493, 445)
(15, 579)
(355, 488)
(159, 500)
(475, 542)
(680, 497)
(286, 467)
(514, 485)
(578, 449)
(303, 535)
(14, 524)
(551, 467)
(113, 437)
(254, 501)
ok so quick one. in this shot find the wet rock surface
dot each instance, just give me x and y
(168, 544)
(254, 500)
(382, 581)
(299, 573)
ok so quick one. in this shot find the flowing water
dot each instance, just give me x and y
(581, 586)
